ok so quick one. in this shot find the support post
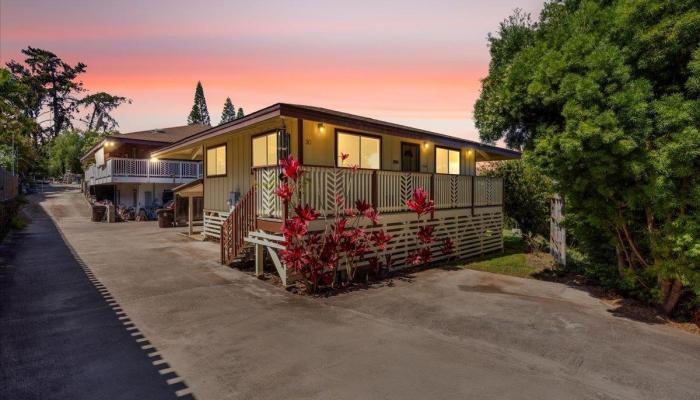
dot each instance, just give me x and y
(190, 215)
(259, 260)
(375, 190)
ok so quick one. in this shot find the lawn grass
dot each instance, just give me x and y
(514, 260)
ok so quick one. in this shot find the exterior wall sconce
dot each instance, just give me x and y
(425, 145)
(469, 151)
(154, 159)
(321, 127)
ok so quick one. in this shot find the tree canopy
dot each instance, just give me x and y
(39, 101)
(605, 96)
(99, 106)
(199, 113)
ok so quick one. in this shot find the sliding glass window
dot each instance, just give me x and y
(446, 161)
(265, 150)
(362, 150)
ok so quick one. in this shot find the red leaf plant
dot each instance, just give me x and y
(343, 242)
(422, 205)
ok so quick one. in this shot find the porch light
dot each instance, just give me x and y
(154, 159)
(321, 127)
(469, 151)
(425, 145)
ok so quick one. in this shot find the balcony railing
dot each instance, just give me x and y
(386, 190)
(143, 169)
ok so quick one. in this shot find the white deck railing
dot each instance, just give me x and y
(386, 190)
(142, 168)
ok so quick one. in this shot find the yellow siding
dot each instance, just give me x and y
(319, 149)
(238, 162)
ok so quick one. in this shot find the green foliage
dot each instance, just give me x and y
(52, 85)
(240, 113)
(99, 106)
(64, 154)
(16, 149)
(526, 195)
(200, 112)
(605, 96)
(229, 112)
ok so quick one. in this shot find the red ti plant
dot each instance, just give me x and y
(421, 205)
(317, 256)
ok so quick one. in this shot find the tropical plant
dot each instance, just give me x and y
(346, 244)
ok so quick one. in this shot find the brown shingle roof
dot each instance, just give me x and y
(157, 137)
(163, 135)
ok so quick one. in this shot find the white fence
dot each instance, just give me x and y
(387, 190)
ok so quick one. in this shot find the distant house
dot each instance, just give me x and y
(241, 172)
(120, 168)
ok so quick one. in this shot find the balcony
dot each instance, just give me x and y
(386, 190)
(131, 170)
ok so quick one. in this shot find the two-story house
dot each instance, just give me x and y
(120, 168)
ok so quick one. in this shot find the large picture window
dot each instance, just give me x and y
(265, 150)
(362, 150)
(216, 161)
(446, 161)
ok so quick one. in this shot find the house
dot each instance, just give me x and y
(120, 169)
(241, 172)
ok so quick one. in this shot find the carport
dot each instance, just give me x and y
(189, 204)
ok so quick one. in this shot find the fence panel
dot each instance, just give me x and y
(9, 185)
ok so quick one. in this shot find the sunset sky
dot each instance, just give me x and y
(413, 62)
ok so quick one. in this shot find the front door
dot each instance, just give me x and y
(410, 157)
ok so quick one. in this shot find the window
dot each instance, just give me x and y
(265, 150)
(363, 151)
(446, 161)
(216, 161)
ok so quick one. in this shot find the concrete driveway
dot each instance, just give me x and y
(439, 335)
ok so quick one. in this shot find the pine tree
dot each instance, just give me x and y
(199, 113)
(229, 113)
(240, 114)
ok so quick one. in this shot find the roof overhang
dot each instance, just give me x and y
(194, 188)
(96, 147)
(489, 152)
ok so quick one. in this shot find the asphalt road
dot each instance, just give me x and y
(438, 335)
(59, 337)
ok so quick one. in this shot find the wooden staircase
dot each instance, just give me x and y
(235, 228)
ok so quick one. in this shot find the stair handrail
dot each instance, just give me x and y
(236, 226)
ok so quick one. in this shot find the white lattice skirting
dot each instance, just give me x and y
(473, 235)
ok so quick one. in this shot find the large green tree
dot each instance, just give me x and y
(199, 113)
(606, 97)
(53, 85)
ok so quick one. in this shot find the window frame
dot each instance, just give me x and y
(459, 153)
(206, 160)
(358, 134)
(252, 138)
